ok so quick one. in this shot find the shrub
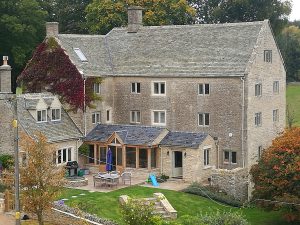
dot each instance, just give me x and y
(213, 193)
(139, 212)
(3, 188)
(7, 161)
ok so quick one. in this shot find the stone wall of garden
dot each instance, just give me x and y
(233, 182)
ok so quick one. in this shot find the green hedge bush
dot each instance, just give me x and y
(213, 193)
(7, 161)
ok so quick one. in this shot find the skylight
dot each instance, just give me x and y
(80, 55)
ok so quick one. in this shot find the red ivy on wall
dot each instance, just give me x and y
(51, 69)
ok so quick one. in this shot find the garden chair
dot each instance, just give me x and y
(126, 176)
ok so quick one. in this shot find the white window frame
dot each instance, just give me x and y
(59, 114)
(204, 115)
(80, 55)
(258, 119)
(135, 116)
(258, 89)
(275, 115)
(229, 157)
(205, 88)
(206, 157)
(159, 83)
(135, 87)
(159, 117)
(97, 88)
(276, 87)
(96, 117)
(268, 56)
(43, 114)
(69, 157)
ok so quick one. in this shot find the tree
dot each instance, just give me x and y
(228, 11)
(102, 16)
(276, 177)
(69, 14)
(22, 28)
(51, 69)
(289, 44)
(41, 179)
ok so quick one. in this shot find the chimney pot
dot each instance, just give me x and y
(135, 18)
(52, 29)
(5, 59)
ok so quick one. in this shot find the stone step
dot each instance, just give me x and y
(161, 212)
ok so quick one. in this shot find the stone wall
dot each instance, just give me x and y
(233, 182)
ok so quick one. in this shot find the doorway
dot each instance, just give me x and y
(177, 164)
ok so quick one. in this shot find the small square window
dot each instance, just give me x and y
(97, 88)
(203, 89)
(268, 56)
(258, 89)
(203, 119)
(159, 88)
(136, 88)
(230, 157)
(56, 114)
(42, 115)
(135, 116)
(275, 115)
(257, 119)
(96, 117)
(276, 87)
(260, 150)
(159, 118)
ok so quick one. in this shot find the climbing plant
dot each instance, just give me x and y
(51, 69)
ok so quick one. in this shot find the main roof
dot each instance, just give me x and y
(177, 50)
(55, 131)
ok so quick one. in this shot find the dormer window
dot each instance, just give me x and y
(55, 114)
(42, 115)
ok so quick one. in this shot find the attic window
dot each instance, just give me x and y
(42, 115)
(80, 55)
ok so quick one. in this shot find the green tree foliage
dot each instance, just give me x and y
(277, 174)
(69, 14)
(227, 11)
(289, 44)
(22, 24)
(102, 16)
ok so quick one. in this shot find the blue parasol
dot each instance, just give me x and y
(109, 160)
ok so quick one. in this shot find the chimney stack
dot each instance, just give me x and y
(51, 29)
(5, 76)
(135, 18)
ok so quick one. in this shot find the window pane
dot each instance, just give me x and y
(143, 158)
(102, 155)
(44, 115)
(64, 154)
(69, 154)
(162, 117)
(156, 90)
(138, 88)
(119, 156)
(233, 157)
(226, 156)
(162, 88)
(206, 119)
(200, 89)
(153, 157)
(201, 119)
(130, 157)
(207, 89)
(138, 116)
(156, 117)
(205, 158)
(39, 116)
(59, 156)
(108, 115)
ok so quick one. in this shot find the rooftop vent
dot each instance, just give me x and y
(80, 55)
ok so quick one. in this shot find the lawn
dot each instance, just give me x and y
(106, 205)
(293, 99)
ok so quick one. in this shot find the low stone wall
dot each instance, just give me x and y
(233, 182)
(77, 183)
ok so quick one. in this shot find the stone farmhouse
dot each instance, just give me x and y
(225, 80)
(38, 112)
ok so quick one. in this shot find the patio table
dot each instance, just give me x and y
(110, 179)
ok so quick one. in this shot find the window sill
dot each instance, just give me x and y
(207, 167)
(159, 95)
(159, 124)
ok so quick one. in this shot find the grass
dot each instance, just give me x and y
(106, 205)
(293, 99)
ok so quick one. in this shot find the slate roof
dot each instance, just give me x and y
(183, 139)
(130, 134)
(55, 131)
(167, 51)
